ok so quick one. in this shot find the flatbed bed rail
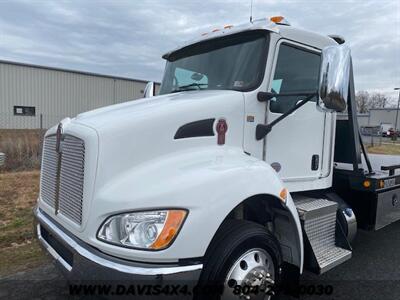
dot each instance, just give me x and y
(391, 169)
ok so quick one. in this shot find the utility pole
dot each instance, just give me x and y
(397, 114)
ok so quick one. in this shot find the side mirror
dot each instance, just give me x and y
(149, 90)
(334, 78)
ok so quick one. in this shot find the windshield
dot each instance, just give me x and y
(234, 62)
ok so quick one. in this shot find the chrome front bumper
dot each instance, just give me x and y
(79, 260)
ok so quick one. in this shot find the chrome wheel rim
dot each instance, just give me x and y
(251, 276)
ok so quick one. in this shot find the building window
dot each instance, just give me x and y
(24, 111)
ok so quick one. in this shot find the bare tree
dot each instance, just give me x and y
(362, 100)
(366, 101)
(392, 102)
(378, 100)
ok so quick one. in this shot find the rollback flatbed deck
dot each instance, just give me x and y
(374, 195)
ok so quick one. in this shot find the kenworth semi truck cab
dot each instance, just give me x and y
(240, 172)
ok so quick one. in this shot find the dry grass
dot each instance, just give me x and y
(18, 248)
(392, 149)
(22, 148)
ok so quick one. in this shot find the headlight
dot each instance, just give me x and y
(146, 230)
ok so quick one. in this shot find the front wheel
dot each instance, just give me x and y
(244, 259)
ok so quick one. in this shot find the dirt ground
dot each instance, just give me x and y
(18, 248)
(385, 148)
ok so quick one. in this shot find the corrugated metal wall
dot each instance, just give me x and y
(387, 116)
(56, 94)
(363, 120)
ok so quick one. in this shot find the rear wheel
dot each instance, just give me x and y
(244, 259)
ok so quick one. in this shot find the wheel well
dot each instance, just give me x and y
(268, 211)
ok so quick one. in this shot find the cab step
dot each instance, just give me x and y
(325, 244)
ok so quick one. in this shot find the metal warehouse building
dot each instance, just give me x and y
(363, 119)
(380, 116)
(33, 96)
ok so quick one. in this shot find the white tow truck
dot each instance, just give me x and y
(238, 173)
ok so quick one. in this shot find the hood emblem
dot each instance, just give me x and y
(59, 138)
(222, 128)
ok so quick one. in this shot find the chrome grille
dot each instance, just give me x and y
(49, 171)
(70, 174)
(71, 178)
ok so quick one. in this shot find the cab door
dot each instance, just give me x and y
(294, 147)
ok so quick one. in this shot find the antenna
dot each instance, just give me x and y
(251, 11)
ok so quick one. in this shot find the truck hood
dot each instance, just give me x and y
(141, 131)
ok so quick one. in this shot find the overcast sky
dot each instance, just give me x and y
(127, 38)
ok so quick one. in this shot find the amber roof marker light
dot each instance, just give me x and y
(280, 20)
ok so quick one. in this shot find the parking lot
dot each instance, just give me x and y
(384, 160)
(372, 273)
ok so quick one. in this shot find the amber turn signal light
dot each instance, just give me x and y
(171, 228)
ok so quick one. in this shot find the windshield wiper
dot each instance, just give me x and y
(188, 87)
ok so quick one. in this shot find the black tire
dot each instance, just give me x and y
(234, 238)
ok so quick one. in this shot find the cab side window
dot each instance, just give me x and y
(297, 70)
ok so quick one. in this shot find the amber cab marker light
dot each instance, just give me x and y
(173, 223)
(283, 195)
(276, 19)
(228, 26)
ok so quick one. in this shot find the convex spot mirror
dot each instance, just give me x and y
(149, 90)
(334, 78)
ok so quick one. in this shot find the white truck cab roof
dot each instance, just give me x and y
(280, 27)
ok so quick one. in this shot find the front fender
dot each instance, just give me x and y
(209, 182)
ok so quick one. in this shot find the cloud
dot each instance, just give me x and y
(127, 38)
